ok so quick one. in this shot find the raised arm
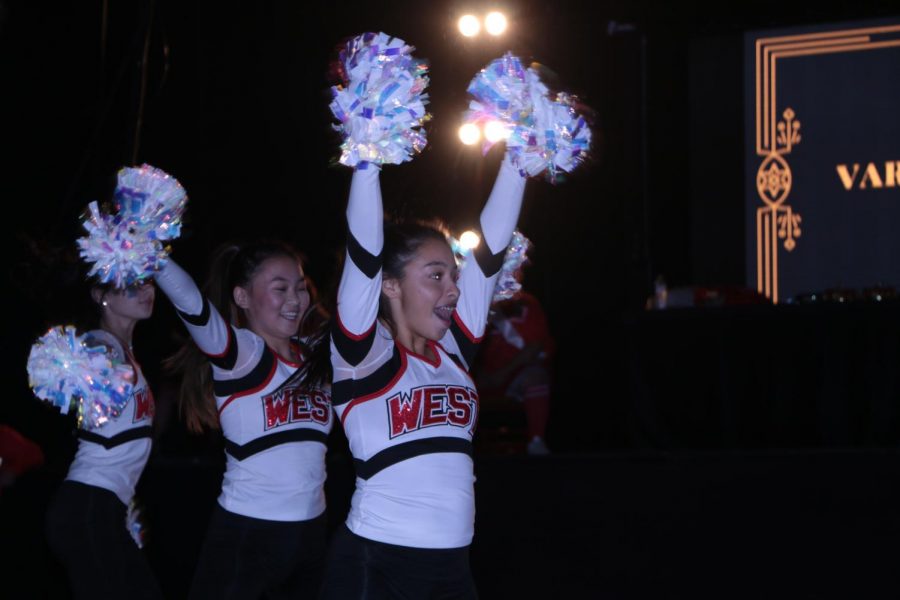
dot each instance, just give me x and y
(501, 213)
(360, 286)
(209, 330)
(476, 283)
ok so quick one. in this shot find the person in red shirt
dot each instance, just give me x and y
(514, 361)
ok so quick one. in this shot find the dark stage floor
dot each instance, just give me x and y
(773, 524)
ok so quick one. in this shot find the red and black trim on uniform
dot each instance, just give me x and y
(355, 391)
(225, 359)
(364, 260)
(467, 342)
(241, 452)
(490, 264)
(197, 320)
(365, 469)
(117, 440)
(250, 383)
(352, 348)
(459, 363)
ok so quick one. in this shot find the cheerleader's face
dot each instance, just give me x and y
(275, 300)
(422, 303)
(134, 302)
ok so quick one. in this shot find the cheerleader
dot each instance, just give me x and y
(86, 520)
(406, 329)
(267, 534)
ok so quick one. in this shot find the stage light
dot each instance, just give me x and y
(469, 134)
(495, 23)
(494, 131)
(469, 240)
(469, 25)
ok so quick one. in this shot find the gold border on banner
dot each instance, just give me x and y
(776, 222)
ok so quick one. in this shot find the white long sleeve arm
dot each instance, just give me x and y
(479, 275)
(206, 326)
(501, 212)
(180, 288)
(360, 286)
(365, 212)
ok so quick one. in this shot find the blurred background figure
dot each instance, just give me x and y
(18, 454)
(514, 363)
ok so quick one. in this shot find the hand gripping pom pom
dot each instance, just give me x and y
(64, 370)
(381, 104)
(127, 247)
(543, 136)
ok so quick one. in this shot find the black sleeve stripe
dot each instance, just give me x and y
(352, 349)
(490, 264)
(366, 469)
(367, 262)
(457, 360)
(344, 391)
(241, 452)
(467, 346)
(116, 440)
(197, 320)
(258, 376)
(228, 358)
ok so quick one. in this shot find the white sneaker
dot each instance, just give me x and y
(537, 447)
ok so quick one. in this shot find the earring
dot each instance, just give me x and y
(105, 303)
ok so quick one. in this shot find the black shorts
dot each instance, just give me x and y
(86, 530)
(243, 557)
(362, 568)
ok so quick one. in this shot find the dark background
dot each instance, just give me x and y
(726, 452)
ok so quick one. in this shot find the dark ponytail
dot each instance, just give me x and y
(196, 400)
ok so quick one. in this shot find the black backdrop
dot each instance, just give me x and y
(232, 100)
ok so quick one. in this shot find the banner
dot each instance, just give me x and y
(823, 158)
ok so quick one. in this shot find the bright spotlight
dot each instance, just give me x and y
(469, 240)
(495, 23)
(469, 134)
(469, 25)
(494, 131)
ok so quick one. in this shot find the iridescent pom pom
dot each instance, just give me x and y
(504, 93)
(134, 523)
(507, 284)
(127, 247)
(543, 135)
(381, 103)
(65, 370)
